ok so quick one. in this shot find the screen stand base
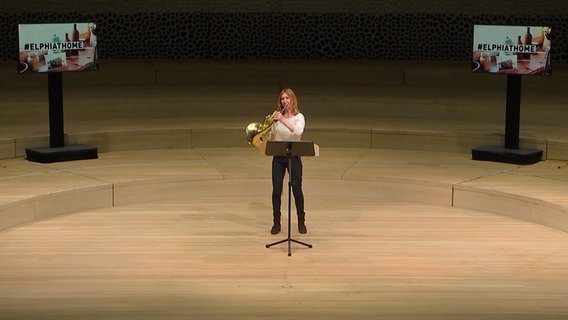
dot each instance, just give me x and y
(502, 154)
(58, 154)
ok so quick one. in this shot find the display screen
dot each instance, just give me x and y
(523, 50)
(57, 47)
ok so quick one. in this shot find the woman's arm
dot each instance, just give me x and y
(296, 124)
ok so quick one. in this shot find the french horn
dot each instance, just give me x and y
(257, 133)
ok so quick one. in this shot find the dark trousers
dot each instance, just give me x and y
(279, 168)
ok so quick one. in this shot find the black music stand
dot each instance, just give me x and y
(290, 149)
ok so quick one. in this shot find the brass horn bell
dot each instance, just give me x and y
(257, 132)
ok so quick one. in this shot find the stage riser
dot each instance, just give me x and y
(234, 137)
(41, 207)
(210, 186)
(7, 148)
(59, 202)
(519, 207)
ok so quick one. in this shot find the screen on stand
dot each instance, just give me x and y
(59, 47)
(523, 50)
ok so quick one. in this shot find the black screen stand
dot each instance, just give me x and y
(510, 153)
(289, 149)
(57, 150)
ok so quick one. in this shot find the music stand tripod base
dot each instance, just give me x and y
(289, 149)
(289, 244)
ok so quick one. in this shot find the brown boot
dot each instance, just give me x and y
(276, 227)
(301, 223)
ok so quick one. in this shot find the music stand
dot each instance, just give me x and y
(289, 149)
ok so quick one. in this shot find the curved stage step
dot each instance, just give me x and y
(32, 191)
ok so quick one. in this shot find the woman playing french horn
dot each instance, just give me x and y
(289, 126)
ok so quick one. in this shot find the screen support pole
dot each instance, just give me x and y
(56, 127)
(513, 111)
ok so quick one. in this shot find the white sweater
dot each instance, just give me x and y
(281, 133)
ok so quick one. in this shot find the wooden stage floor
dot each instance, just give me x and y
(172, 220)
(183, 237)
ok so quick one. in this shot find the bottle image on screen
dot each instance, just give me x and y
(75, 38)
(520, 55)
(508, 41)
(67, 43)
(527, 40)
(55, 39)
